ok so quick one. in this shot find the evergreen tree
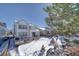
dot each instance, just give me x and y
(63, 18)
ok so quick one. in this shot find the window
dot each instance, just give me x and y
(22, 27)
(22, 34)
(33, 34)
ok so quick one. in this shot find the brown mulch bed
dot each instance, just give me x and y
(74, 51)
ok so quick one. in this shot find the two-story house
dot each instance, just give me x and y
(25, 31)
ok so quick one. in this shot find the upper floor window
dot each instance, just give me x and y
(22, 27)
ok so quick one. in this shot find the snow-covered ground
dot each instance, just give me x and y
(30, 48)
(13, 52)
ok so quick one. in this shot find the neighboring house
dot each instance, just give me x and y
(25, 30)
(34, 31)
(45, 31)
(2, 29)
(21, 28)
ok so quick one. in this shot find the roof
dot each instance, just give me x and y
(31, 25)
(21, 21)
(42, 28)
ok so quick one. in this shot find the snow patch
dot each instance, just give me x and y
(33, 48)
(29, 49)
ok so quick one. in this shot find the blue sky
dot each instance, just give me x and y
(32, 13)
